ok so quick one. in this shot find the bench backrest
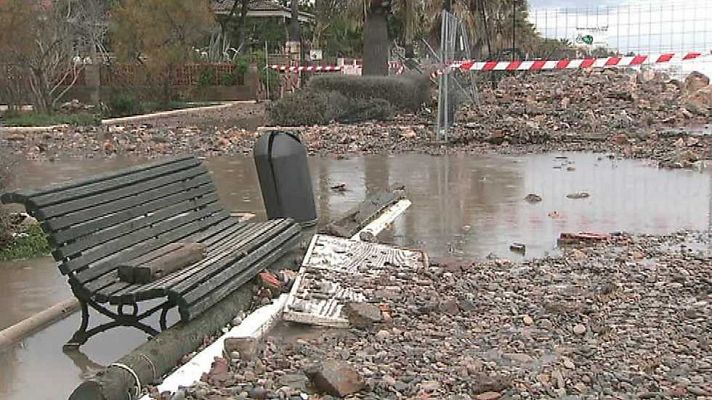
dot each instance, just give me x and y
(97, 222)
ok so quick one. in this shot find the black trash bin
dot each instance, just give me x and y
(281, 161)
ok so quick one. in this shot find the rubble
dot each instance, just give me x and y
(613, 110)
(362, 315)
(613, 323)
(336, 378)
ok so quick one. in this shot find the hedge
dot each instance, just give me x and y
(404, 92)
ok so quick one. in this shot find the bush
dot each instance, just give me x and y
(28, 244)
(268, 75)
(363, 110)
(124, 105)
(7, 164)
(310, 107)
(207, 78)
(405, 93)
(307, 107)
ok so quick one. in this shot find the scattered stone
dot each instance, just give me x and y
(533, 198)
(578, 195)
(362, 315)
(341, 187)
(518, 247)
(336, 378)
(695, 81)
(383, 335)
(527, 320)
(246, 346)
(579, 329)
(488, 396)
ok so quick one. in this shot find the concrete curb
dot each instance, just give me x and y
(130, 119)
(20, 330)
(172, 113)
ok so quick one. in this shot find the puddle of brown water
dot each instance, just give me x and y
(463, 206)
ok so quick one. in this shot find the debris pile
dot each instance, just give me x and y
(625, 318)
(638, 115)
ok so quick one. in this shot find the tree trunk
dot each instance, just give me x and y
(294, 32)
(375, 43)
(243, 25)
(93, 75)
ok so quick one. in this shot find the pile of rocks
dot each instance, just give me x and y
(641, 115)
(629, 318)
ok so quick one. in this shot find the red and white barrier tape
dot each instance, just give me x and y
(539, 65)
(307, 68)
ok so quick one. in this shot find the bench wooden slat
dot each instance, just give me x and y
(126, 208)
(136, 293)
(116, 231)
(178, 233)
(228, 252)
(233, 245)
(248, 268)
(112, 183)
(145, 233)
(231, 224)
(243, 245)
(192, 289)
(24, 195)
(113, 195)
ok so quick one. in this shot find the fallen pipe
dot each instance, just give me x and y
(22, 329)
(144, 365)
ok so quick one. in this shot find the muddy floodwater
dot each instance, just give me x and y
(463, 206)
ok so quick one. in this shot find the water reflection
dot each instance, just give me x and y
(463, 206)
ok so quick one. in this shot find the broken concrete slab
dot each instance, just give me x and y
(336, 378)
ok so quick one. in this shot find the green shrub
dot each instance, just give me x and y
(228, 79)
(405, 93)
(38, 119)
(7, 166)
(268, 75)
(28, 244)
(242, 65)
(207, 77)
(124, 105)
(363, 110)
(310, 107)
(307, 107)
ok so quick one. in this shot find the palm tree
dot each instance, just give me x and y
(373, 14)
(294, 31)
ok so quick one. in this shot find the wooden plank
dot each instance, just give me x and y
(112, 183)
(112, 195)
(232, 244)
(108, 287)
(123, 242)
(191, 291)
(109, 263)
(359, 216)
(181, 284)
(126, 228)
(23, 195)
(192, 311)
(94, 218)
(143, 272)
(157, 289)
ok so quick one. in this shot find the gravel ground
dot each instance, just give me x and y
(628, 318)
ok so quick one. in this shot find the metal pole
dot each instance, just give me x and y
(267, 70)
(514, 27)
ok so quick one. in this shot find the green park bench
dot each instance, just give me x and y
(139, 215)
